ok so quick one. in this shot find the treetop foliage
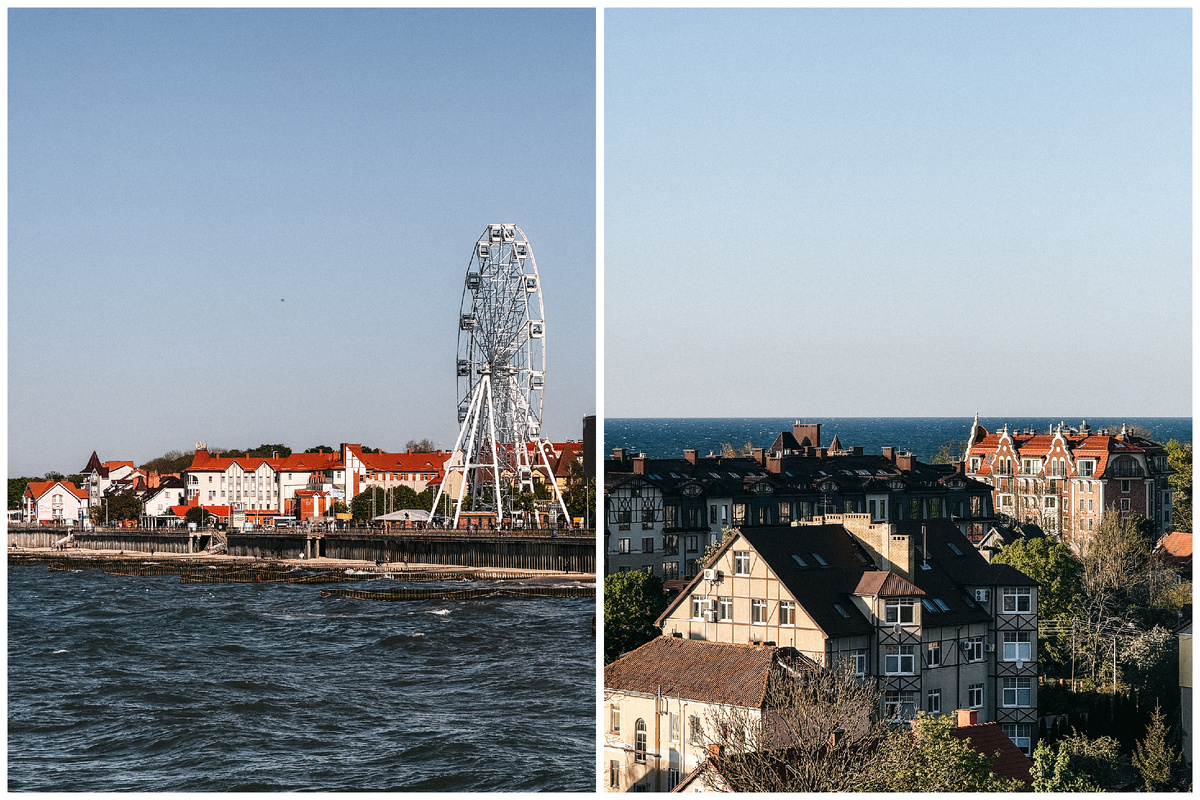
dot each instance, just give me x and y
(632, 601)
(1077, 764)
(420, 446)
(932, 760)
(1179, 456)
(1056, 569)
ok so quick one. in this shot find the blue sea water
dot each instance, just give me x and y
(145, 684)
(667, 438)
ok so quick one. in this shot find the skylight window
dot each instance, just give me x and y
(954, 548)
(676, 477)
(970, 603)
(925, 565)
(820, 560)
(928, 605)
(940, 604)
(800, 560)
(715, 475)
(845, 614)
(862, 556)
(733, 475)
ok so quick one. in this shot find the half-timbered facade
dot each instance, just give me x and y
(910, 603)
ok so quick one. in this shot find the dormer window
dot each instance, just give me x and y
(898, 610)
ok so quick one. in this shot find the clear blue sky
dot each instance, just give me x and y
(898, 212)
(250, 226)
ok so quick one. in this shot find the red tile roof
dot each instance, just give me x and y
(401, 462)
(988, 738)
(1177, 544)
(39, 488)
(885, 584)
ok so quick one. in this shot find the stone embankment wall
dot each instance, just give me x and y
(526, 550)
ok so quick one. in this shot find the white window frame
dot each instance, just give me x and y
(758, 612)
(933, 654)
(1020, 733)
(933, 701)
(614, 718)
(899, 659)
(697, 607)
(895, 611)
(1012, 597)
(1017, 693)
(1017, 648)
(787, 613)
(741, 562)
(975, 695)
(860, 662)
(724, 609)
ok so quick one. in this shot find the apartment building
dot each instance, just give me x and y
(660, 514)
(910, 603)
(1064, 479)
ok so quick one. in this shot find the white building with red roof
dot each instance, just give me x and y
(1064, 479)
(54, 502)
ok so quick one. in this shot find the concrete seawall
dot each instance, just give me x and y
(537, 550)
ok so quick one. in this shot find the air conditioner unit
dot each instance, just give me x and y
(989, 648)
(710, 574)
(706, 604)
(981, 595)
(710, 616)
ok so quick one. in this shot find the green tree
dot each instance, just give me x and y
(711, 549)
(632, 602)
(1150, 662)
(1077, 764)
(1154, 757)
(1179, 456)
(124, 506)
(1117, 557)
(951, 452)
(369, 503)
(1056, 569)
(339, 507)
(420, 446)
(198, 515)
(580, 495)
(16, 489)
(932, 760)
(321, 448)
(171, 461)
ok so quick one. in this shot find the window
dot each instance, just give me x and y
(1124, 486)
(673, 726)
(933, 654)
(799, 560)
(693, 544)
(670, 544)
(647, 519)
(1124, 503)
(670, 516)
(785, 513)
(1018, 646)
(787, 610)
(1019, 733)
(672, 779)
(623, 518)
(898, 705)
(639, 741)
(725, 609)
(670, 570)
(973, 648)
(622, 545)
(758, 611)
(899, 659)
(614, 774)
(1018, 600)
(1017, 693)
(739, 514)
(648, 544)
(694, 729)
(842, 611)
(820, 560)
(697, 607)
(900, 610)
(975, 695)
(860, 662)
(741, 562)
(933, 702)
(616, 719)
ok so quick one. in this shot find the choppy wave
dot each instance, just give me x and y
(150, 685)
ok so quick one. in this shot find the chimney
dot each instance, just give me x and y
(809, 430)
(757, 454)
(962, 467)
(689, 456)
(639, 464)
(904, 459)
(889, 453)
(900, 554)
(715, 751)
(856, 450)
(967, 716)
(774, 463)
(618, 454)
(836, 737)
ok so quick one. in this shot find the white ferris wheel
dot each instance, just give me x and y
(501, 380)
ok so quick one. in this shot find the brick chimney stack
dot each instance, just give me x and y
(757, 454)
(809, 430)
(889, 453)
(904, 460)
(639, 464)
(967, 716)
(618, 454)
(689, 456)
